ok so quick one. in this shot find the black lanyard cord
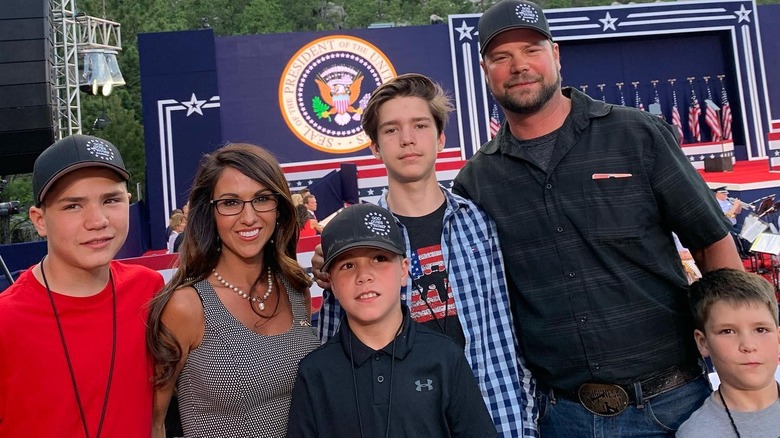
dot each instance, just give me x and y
(70, 364)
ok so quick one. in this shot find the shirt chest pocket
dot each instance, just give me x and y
(616, 208)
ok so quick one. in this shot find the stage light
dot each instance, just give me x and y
(100, 72)
(113, 69)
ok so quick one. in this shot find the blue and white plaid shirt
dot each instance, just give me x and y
(476, 272)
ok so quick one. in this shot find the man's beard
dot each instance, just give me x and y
(514, 105)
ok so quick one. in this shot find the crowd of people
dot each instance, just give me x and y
(445, 313)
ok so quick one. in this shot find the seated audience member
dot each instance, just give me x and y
(737, 327)
(310, 201)
(692, 272)
(731, 209)
(227, 332)
(168, 228)
(177, 224)
(305, 222)
(382, 374)
(72, 356)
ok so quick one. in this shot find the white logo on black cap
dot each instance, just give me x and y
(377, 224)
(100, 150)
(526, 13)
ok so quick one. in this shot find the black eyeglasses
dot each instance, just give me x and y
(233, 206)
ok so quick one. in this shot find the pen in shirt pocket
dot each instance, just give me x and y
(610, 175)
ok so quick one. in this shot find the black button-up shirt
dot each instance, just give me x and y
(433, 393)
(598, 292)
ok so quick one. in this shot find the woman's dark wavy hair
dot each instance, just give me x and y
(200, 249)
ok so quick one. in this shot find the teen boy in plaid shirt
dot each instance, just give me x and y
(456, 283)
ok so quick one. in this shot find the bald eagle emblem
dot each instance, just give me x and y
(339, 89)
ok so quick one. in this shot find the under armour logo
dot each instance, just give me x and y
(428, 385)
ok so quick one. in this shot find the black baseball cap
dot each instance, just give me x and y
(511, 14)
(361, 226)
(71, 153)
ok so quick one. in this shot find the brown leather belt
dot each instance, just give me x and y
(608, 399)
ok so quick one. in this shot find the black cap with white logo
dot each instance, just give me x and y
(511, 14)
(71, 153)
(361, 226)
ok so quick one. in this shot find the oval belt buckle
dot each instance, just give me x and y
(603, 399)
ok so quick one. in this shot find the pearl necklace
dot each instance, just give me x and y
(259, 300)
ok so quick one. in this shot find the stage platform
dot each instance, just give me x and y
(748, 181)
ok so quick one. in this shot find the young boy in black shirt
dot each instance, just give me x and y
(382, 374)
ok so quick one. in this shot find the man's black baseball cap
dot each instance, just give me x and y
(71, 153)
(511, 14)
(361, 226)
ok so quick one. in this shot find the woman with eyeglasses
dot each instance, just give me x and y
(227, 332)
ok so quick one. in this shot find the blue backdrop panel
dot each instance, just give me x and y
(250, 69)
(770, 24)
(181, 117)
(615, 60)
(641, 42)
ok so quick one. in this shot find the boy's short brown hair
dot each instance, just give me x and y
(407, 85)
(732, 286)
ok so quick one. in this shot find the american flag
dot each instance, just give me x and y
(711, 116)
(712, 120)
(638, 100)
(694, 113)
(725, 112)
(676, 117)
(495, 122)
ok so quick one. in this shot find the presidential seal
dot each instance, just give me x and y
(325, 87)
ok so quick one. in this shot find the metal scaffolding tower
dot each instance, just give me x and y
(72, 32)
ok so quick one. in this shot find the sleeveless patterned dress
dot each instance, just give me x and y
(238, 383)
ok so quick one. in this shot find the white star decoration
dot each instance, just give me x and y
(194, 105)
(608, 22)
(777, 153)
(742, 14)
(464, 31)
(370, 192)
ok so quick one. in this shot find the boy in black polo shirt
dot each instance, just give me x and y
(382, 374)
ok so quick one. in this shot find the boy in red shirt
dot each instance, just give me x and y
(73, 358)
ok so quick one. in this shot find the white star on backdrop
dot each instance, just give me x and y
(742, 14)
(464, 31)
(608, 22)
(194, 105)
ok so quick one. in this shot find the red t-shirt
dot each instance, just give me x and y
(36, 394)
